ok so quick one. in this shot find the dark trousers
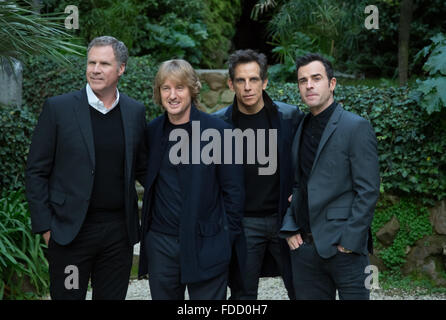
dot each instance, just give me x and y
(163, 252)
(316, 278)
(261, 236)
(101, 251)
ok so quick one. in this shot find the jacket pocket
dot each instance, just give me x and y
(208, 229)
(338, 213)
(213, 245)
(57, 197)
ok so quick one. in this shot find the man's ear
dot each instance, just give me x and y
(265, 83)
(332, 84)
(230, 84)
(121, 69)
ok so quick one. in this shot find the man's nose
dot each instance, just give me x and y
(96, 68)
(173, 94)
(309, 84)
(247, 86)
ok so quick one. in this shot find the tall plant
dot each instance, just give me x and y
(22, 258)
(431, 92)
(24, 33)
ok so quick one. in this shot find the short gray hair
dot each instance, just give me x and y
(119, 48)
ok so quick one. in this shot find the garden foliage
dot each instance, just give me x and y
(431, 92)
(411, 142)
(23, 267)
(198, 31)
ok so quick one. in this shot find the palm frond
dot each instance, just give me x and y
(25, 33)
(261, 7)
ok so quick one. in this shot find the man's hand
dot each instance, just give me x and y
(343, 250)
(294, 241)
(46, 236)
(290, 198)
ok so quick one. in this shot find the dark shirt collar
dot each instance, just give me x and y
(268, 105)
(194, 115)
(325, 115)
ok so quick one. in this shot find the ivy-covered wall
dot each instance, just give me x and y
(410, 142)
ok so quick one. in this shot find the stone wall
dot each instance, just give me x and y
(11, 84)
(427, 257)
(215, 93)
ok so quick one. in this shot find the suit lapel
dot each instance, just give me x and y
(82, 112)
(128, 132)
(296, 141)
(329, 129)
(157, 147)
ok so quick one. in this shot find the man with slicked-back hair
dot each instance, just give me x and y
(86, 152)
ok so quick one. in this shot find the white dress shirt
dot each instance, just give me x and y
(94, 101)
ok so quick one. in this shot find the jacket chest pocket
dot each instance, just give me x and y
(338, 213)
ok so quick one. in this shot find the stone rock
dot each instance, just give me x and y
(438, 217)
(427, 257)
(393, 199)
(210, 98)
(433, 268)
(377, 261)
(388, 232)
(227, 97)
(215, 80)
(11, 83)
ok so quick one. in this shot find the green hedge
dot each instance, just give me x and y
(23, 266)
(16, 127)
(411, 143)
(43, 78)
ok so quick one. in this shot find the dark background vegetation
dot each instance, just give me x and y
(404, 96)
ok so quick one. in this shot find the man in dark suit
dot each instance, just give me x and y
(192, 207)
(267, 194)
(336, 189)
(87, 149)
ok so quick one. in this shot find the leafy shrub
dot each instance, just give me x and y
(220, 18)
(198, 31)
(411, 142)
(414, 225)
(17, 125)
(21, 253)
(431, 93)
(43, 79)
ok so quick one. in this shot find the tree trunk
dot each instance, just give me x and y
(406, 8)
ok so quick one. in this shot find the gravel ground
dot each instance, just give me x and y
(273, 289)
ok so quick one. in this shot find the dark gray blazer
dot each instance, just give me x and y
(61, 165)
(343, 186)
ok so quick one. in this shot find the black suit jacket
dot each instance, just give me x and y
(343, 186)
(212, 198)
(285, 118)
(61, 165)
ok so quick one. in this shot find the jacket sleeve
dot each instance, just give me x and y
(233, 189)
(142, 152)
(39, 167)
(364, 166)
(289, 225)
